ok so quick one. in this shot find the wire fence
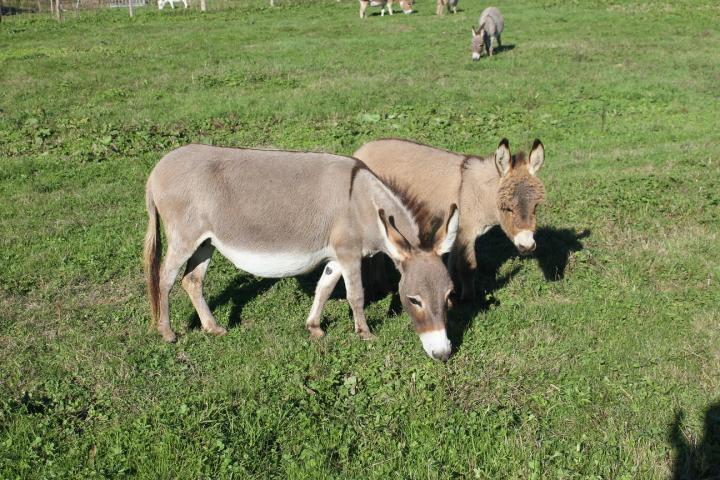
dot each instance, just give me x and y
(62, 8)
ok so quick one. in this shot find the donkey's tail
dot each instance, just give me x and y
(153, 249)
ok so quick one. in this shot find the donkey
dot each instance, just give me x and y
(492, 25)
(279, 214)
(502, 189)
(443, 4)
(406, 5)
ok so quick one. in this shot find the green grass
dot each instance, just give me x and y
(597, 358)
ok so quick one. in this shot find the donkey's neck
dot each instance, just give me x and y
(371, 194)
(480, 185)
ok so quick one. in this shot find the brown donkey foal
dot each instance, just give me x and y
(280, 214)
(501, 189)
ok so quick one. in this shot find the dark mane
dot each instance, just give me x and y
(428, 223)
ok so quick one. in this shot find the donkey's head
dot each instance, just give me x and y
(407, 6)
(520, 193)
(478, 42)
(425, 285)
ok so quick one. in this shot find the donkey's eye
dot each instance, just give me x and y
(507, 209)
(415, 301)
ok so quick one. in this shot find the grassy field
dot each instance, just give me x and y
(599, 357)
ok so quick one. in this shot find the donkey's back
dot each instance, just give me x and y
(421, 172)
(493, 21)
(261, 199)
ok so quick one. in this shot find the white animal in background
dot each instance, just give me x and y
(161, 3)
(406, 5)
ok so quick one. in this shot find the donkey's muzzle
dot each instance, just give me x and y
(525, 242)
(436, 344)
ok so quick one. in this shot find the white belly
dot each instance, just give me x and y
(272, 265)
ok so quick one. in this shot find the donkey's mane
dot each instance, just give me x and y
(428, 223)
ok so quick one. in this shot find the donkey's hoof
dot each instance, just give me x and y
(169, 336)
(217, 330)
(316, 332)
(366, 335)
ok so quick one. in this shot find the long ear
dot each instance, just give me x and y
(537, 157)
(397, 245)
(502, 157)
(475, 32)
(445, 238)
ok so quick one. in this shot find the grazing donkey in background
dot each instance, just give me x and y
(502, 189)
(280, 214)
(406, 5)
(491, 25)
(442, 4)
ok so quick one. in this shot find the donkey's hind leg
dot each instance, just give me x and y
(192, 283)
(174, 259)
(326, 285)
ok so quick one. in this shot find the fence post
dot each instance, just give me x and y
(130, 7)
(203, 7)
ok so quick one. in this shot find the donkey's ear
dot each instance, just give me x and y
(445, 238)
(502, 157)
(537, 157)
(475, 32)
(397, 245)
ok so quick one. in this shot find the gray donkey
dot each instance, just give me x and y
(491, 25)
(280, 214)
(501, 189)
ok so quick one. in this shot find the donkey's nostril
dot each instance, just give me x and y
(527, 248)
(442, 355)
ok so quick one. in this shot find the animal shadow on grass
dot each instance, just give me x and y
(238, 292)
(696, 460)
(378, 14)
(245, 287)
(493, 250)
(503, 48)
(7, 10)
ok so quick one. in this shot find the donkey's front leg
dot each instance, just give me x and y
(356, 297)
(463, 263)
(324, 289)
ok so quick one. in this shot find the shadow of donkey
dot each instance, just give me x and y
(493, 250)
(697, 460)
(554, 247)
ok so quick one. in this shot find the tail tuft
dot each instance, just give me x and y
(153, 249)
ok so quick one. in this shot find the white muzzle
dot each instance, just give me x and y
(524, 241)
(436, 344)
